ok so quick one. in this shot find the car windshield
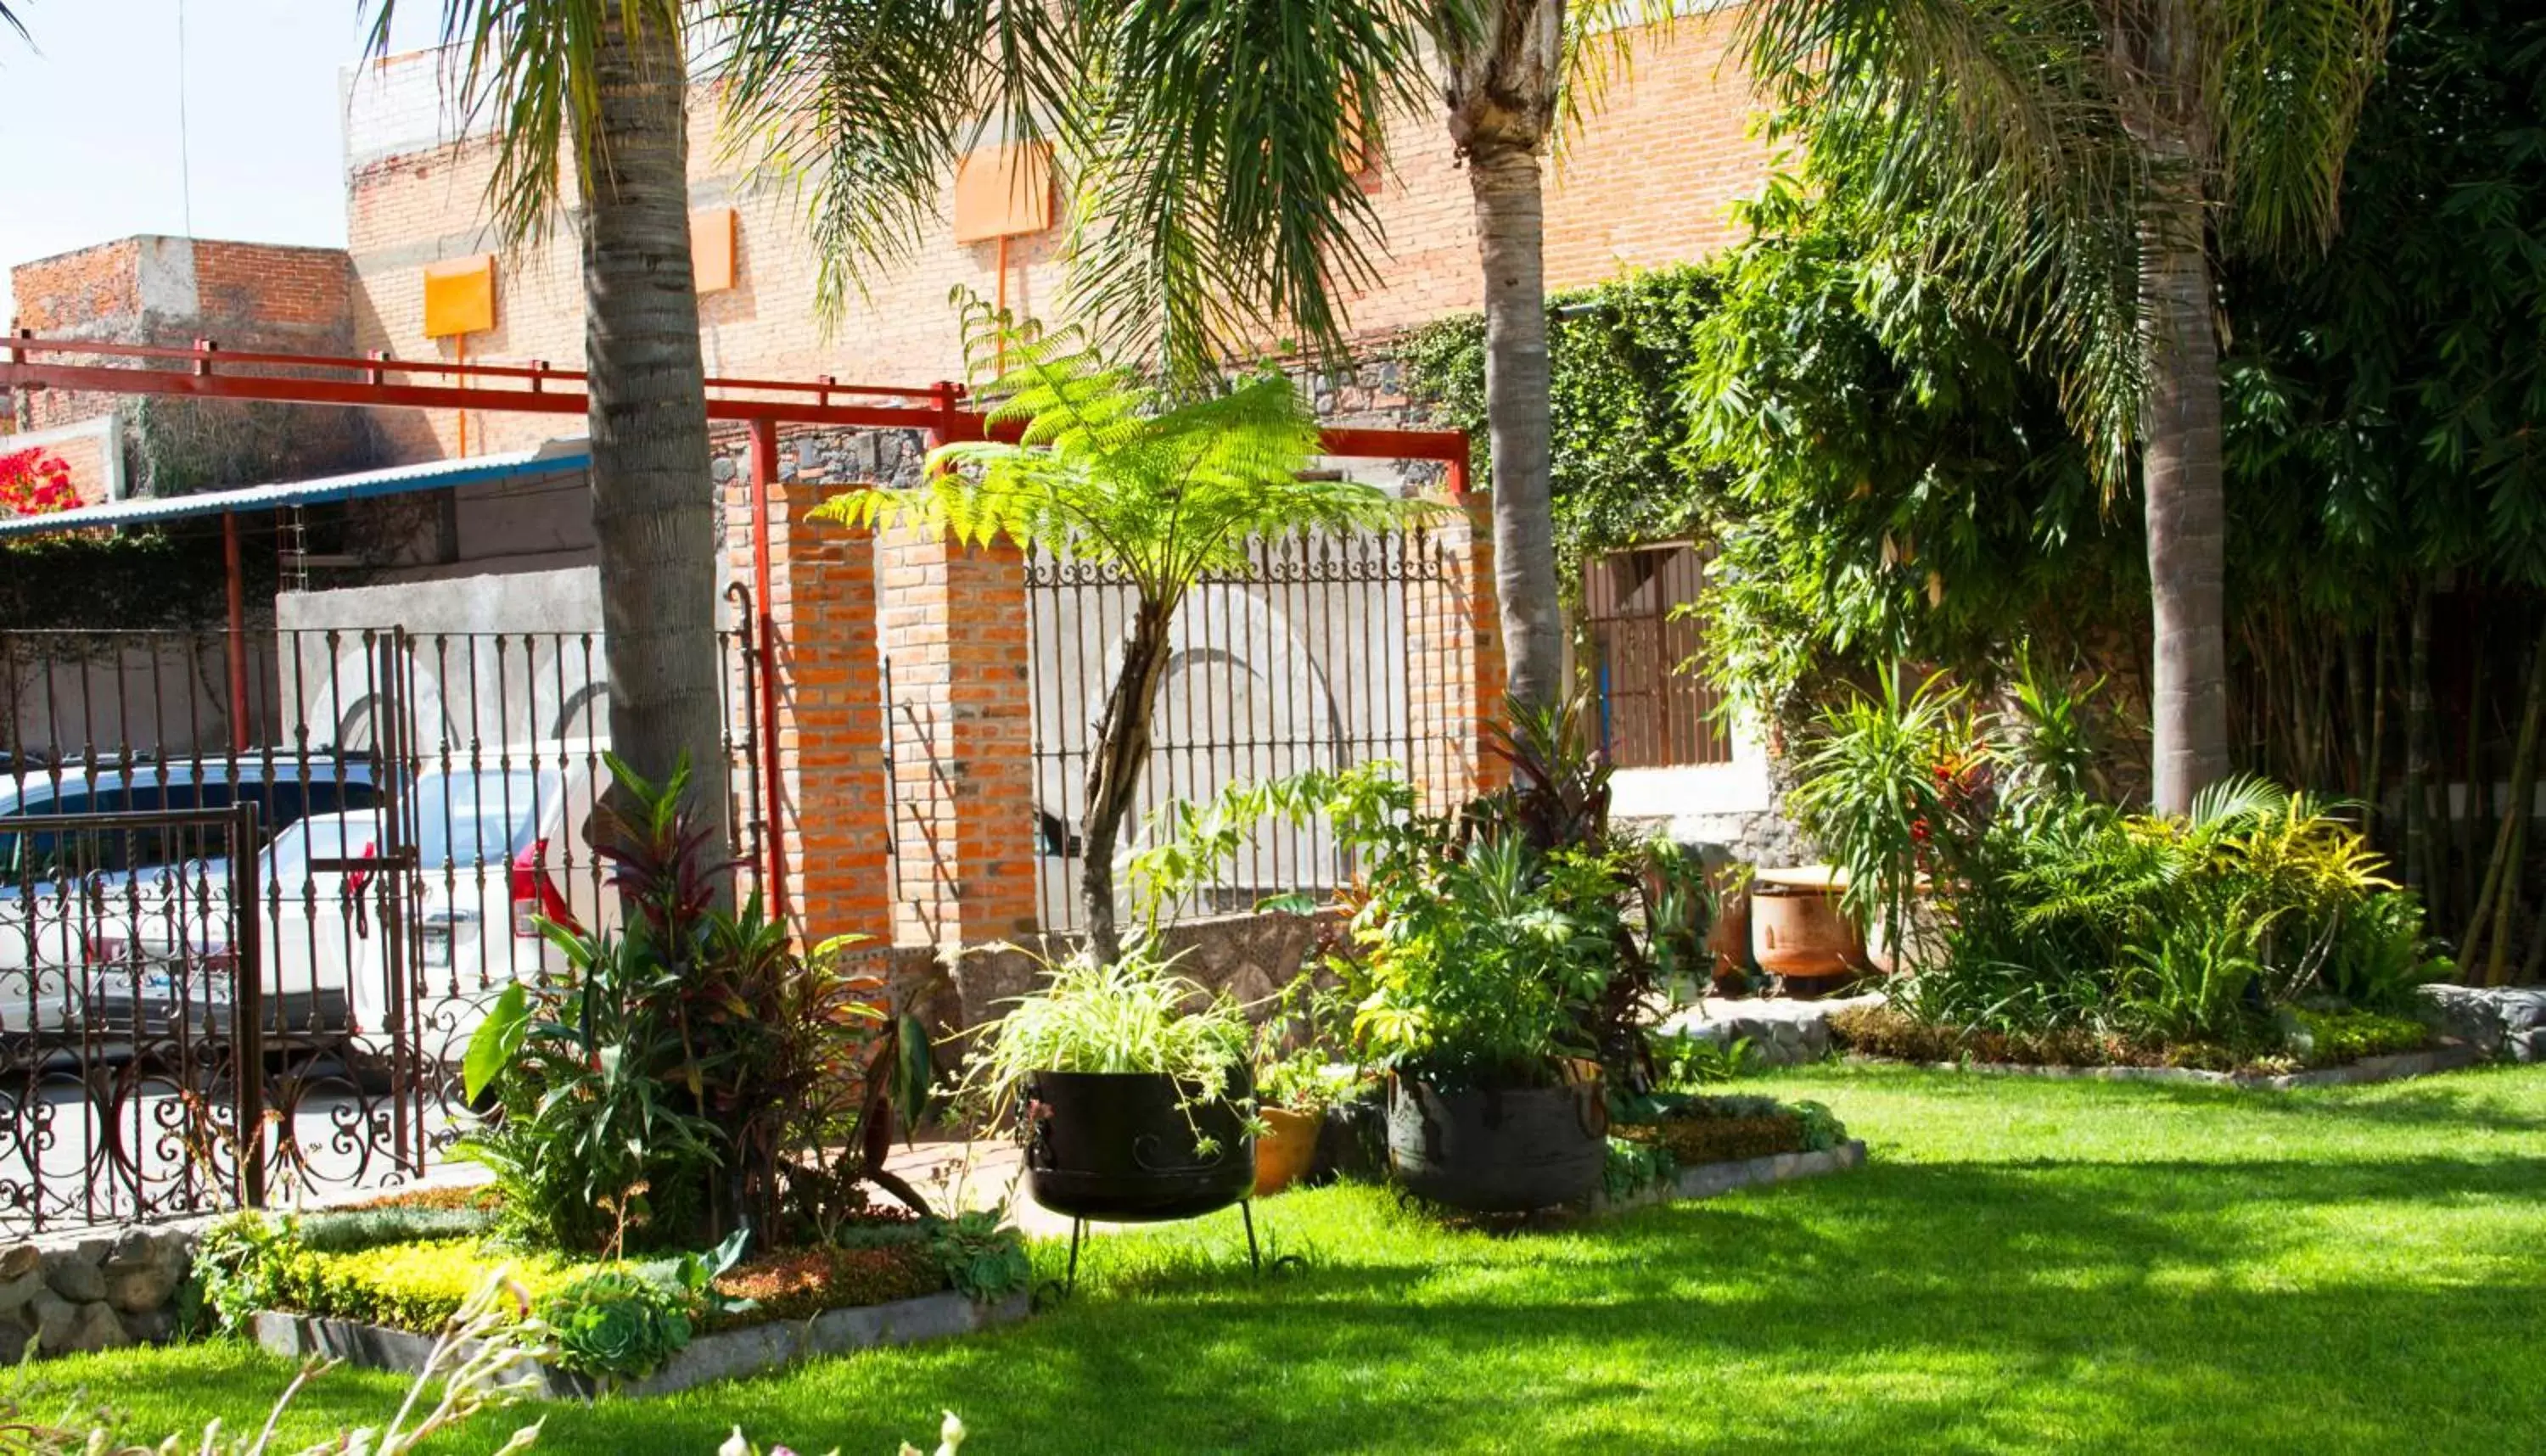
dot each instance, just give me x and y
(467, 819)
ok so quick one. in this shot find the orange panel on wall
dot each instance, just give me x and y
(460, 297)
(1003, 192)
(712, 248)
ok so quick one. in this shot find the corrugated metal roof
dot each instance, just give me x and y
(556, 458)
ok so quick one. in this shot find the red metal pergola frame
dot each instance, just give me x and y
(208, 371)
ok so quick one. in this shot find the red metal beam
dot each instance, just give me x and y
(210, 374)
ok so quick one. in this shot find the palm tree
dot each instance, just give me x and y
(602, 85)
(2078, 166)
(1218, 165)
(1119, 474)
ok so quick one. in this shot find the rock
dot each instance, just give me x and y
(73, 1277)
(2495, 1020)
(133, 1287)
(13, 1341)
(55, 1319)
(97, 1330)
(151, 1327)
(20, 1261)
(15, 1293)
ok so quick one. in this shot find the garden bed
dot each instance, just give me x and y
(2329, 1050)
(724, 1354)
(1714, 1179)
(1677, 1146)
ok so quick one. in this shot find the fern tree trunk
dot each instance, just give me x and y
(652, 506)
(1502, 93)
(1114, 770)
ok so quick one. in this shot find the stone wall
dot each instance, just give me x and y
(100, 1292)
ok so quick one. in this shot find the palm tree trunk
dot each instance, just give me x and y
(2188, 511)
(652, 506)
(1510, 233)
(1114, 770)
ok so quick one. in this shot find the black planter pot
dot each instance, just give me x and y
(1119, 1146)
(1352, 1143)
(1498, 1149)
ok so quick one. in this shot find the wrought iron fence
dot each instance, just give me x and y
(1653, 712)
(414, 804)
(1309, 657)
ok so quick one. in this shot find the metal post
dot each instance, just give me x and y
(764, 476)
(238, 634)
(247, 1005)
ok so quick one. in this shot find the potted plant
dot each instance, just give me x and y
(1130, 1087)
(1484, 970)
(1295, 1096)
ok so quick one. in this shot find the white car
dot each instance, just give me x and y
(494, 851)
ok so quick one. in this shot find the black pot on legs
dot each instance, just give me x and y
(1498, 1149)
(1121, 1147)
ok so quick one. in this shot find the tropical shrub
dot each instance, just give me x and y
(693, 1072)
(2026, 908)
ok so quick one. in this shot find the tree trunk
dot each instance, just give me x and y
(2188, 511)
(1114, 770)
(1510, 218)
(1501, 89)
(653, 508)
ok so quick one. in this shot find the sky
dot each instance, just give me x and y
(91, 146)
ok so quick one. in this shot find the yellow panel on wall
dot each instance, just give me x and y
(1003, 192)
(460, 297)
(712, 248)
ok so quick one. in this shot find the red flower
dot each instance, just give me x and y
(35, 484)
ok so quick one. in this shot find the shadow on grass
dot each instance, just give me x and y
(2120, 1306)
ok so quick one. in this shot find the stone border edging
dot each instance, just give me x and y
(1714, 1179)
(725, 1354)
(2446, 1056)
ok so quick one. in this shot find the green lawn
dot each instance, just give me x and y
(2025, 1267)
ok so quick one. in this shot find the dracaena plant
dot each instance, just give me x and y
(694, 1073)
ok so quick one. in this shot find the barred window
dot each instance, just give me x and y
(1655, 710)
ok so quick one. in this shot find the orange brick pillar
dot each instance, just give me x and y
(954, 623)
(828, 809)
(1455, 657)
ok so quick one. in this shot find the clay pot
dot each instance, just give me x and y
(1729, 939)
(1285, 1150)
(1799, 934)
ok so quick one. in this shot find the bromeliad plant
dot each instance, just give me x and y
(692, 1075)
(1117, 474)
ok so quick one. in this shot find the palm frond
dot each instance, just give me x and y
(860, 109)
(2235, 801)
(1112, 472)
(2289, 87)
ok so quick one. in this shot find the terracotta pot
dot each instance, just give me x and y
(1287, 1150)
(1799, 934)
(1730, 940)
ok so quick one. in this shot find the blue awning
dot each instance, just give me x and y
(556, 458)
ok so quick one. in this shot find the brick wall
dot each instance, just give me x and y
(1646, 184)
(173, 290)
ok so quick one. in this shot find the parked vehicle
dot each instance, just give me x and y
(74, 899)
(454, 897)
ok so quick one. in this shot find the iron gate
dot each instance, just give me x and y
(1304, 660)
(361, 851)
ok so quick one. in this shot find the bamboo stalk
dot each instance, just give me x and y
(2417, 743)
(2500, 891)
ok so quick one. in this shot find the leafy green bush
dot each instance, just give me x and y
(2330, 1038)
(2028, 908)
(1822, 1131)
(616, 1324)
(983, 1257)
(410, 1286)
(244, 1263)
